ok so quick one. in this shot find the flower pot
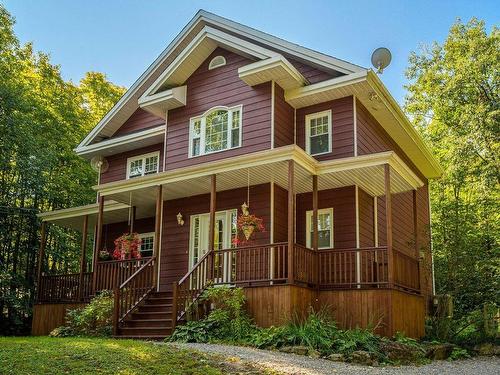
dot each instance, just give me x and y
(248, 230)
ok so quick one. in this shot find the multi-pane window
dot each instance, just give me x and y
(143, 165)
(196, 239)
(147, 244)
(319, 133)
(325, 228)
(217, 130)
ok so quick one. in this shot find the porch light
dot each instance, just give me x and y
(179, 219)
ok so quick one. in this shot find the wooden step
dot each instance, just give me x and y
(155, 308)
(164, 323)
(158, 301)
(161, 294)
(145, 331)
(141, 337)
(141, 315)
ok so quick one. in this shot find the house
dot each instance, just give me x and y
(229, 117)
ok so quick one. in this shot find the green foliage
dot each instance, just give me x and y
(458, 353)
(454, 99)
(227, 321)
(42, 119)
(95, 319)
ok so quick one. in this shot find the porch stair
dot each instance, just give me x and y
(151, 319)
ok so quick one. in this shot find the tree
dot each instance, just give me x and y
(42, 119)
(453, 98)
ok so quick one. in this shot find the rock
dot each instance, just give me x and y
(313, 353)
(439, 351)
(487, 349)
(336, 357)
(363, 358)
(397, 351)
(300, 350)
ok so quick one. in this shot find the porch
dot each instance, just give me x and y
(281, 258)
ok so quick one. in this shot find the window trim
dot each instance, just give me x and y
(307, 121)
(202, 138)
(143, 158)
(147, 234)
(309, 215)
(214, 65)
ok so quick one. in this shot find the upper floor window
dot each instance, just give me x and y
(325, 228)
(319, 133)
(143, 165)
(218, 129)
(216, 62)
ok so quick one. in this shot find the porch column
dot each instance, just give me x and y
(132, 219)
(415, 231)
(156, 244)
(211, 227)
(83, 256)
(388, 223)
(41, 257)
(291, 219)
(98, 240)
(315, 226)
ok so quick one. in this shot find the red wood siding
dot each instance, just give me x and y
(283, 119)
(221, 86)
(342, 127)
(140, 120)
(366, 219)
(344, 218)
(118, 163)
(115, 230)
(312, 74)
(280, 214)
(175, 238)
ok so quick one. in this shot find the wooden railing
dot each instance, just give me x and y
(406, 272)
(305, 266)
(64, 288)
(132, 291)
(353, 268)
(111, 274)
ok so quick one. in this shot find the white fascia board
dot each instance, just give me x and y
(119, 141)
(220, 38)
(283, 45)
(90, 209)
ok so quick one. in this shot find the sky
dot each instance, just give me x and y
(122, 38)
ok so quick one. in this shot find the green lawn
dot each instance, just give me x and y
(45, 355)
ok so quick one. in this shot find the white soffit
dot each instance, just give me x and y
(277, 69)
(158, 104)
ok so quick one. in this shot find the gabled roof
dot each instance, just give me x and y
(128, 103)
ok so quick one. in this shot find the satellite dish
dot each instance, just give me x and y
(381, 58)
(99, 163)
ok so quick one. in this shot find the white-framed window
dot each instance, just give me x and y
(147, 244)
(319, 133)
(217, 62)
(216, 130)
(143, 165)
(325, 228)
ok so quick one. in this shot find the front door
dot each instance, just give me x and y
(225, 229)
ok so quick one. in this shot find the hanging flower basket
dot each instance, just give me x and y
(248, 224)
(127, 246)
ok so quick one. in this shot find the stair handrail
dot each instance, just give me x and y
(179, 293)
(132, 292)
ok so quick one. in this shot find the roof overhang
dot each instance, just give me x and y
(371, 92)
(158, 104)
(128, 103)
(124, 143)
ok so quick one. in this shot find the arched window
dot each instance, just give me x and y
(217, 62)
(218, 129)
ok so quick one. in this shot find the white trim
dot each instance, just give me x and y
(120, 141)
(159, 247)
(375, 221)
(202, 137)
(271, 220)
(147, 234)
(316, 115)
(355, 122)
(309, 214)
(214, 64)
(143, 157)
(272, 114)
(358, 255)
(165, 143)
(294, 126)
(90, 209)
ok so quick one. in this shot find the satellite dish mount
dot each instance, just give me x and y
(381, 58)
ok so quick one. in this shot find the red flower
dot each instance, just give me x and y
(127, 246)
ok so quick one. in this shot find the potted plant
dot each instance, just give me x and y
(248, 224)
(104, 255)
(127, 246)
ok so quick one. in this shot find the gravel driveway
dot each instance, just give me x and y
(295, 364)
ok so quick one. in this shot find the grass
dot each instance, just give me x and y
(45, 355)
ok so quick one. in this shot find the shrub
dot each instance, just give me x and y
(95, 319)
